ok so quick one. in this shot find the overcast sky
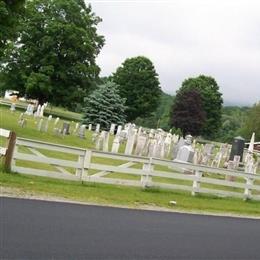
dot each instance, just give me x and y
(186, 38)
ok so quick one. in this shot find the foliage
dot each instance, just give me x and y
(160, 117)
(252, 123)
(54, 56)
(232, 120)
(10, 12)
(211, 102)
(104, 106)
(187, 112)
(138, 83)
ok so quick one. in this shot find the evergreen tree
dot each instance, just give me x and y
(104, 106)
(188, 113)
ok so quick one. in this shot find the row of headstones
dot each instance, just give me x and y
(138, 141)
(226, 155)
(30, 109)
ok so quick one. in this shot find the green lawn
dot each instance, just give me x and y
(128, 196)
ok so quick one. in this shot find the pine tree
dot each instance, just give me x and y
(104, 106)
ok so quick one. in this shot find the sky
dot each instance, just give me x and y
(186, 38)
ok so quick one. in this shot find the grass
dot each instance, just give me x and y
(50, 110)
(127, 196)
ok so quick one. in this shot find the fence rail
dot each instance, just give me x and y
(83, 166)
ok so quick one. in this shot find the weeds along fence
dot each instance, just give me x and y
(70, 163)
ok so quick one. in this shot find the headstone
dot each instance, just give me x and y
(46, 125)
(29, 110)
(130, 141)
(116, 144)
(42, 111)
(250, 167)
(237, 148)
(186, 152)
(99, 141)
(94, 137)
(119, 129)
(82, 131)
(56, 121)
(66, 128)
(112, 129)
(217, 159)
(105, 141)
(208, 148)
(50, 117)
(236, 161)
(97, 128)
(39, 126)
(76, 128)
(140, 145)
(167, 144)
(38, 112)
(90, 127)
(176, 148)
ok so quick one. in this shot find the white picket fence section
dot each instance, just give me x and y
(84, 162)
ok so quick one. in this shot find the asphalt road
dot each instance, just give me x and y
(47, 230)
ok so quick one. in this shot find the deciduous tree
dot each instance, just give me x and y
(54, 56)
(139, 84)
(211, 102)
(187, 112)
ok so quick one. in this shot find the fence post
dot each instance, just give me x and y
(86, 164)
(146, 180)
(196, 183)
(9, 152)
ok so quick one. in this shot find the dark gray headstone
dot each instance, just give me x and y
(237, 148)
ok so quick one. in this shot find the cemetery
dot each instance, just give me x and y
(132, 156)
(129, 129)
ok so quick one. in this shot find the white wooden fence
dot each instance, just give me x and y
(152, 172)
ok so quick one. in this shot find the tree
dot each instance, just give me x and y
(104, 106)
(138, 83)
(211, 102)
(252, 123)
(160, 118)
(54, 56)
(10, 11)
(187, 112)
(232, 120)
